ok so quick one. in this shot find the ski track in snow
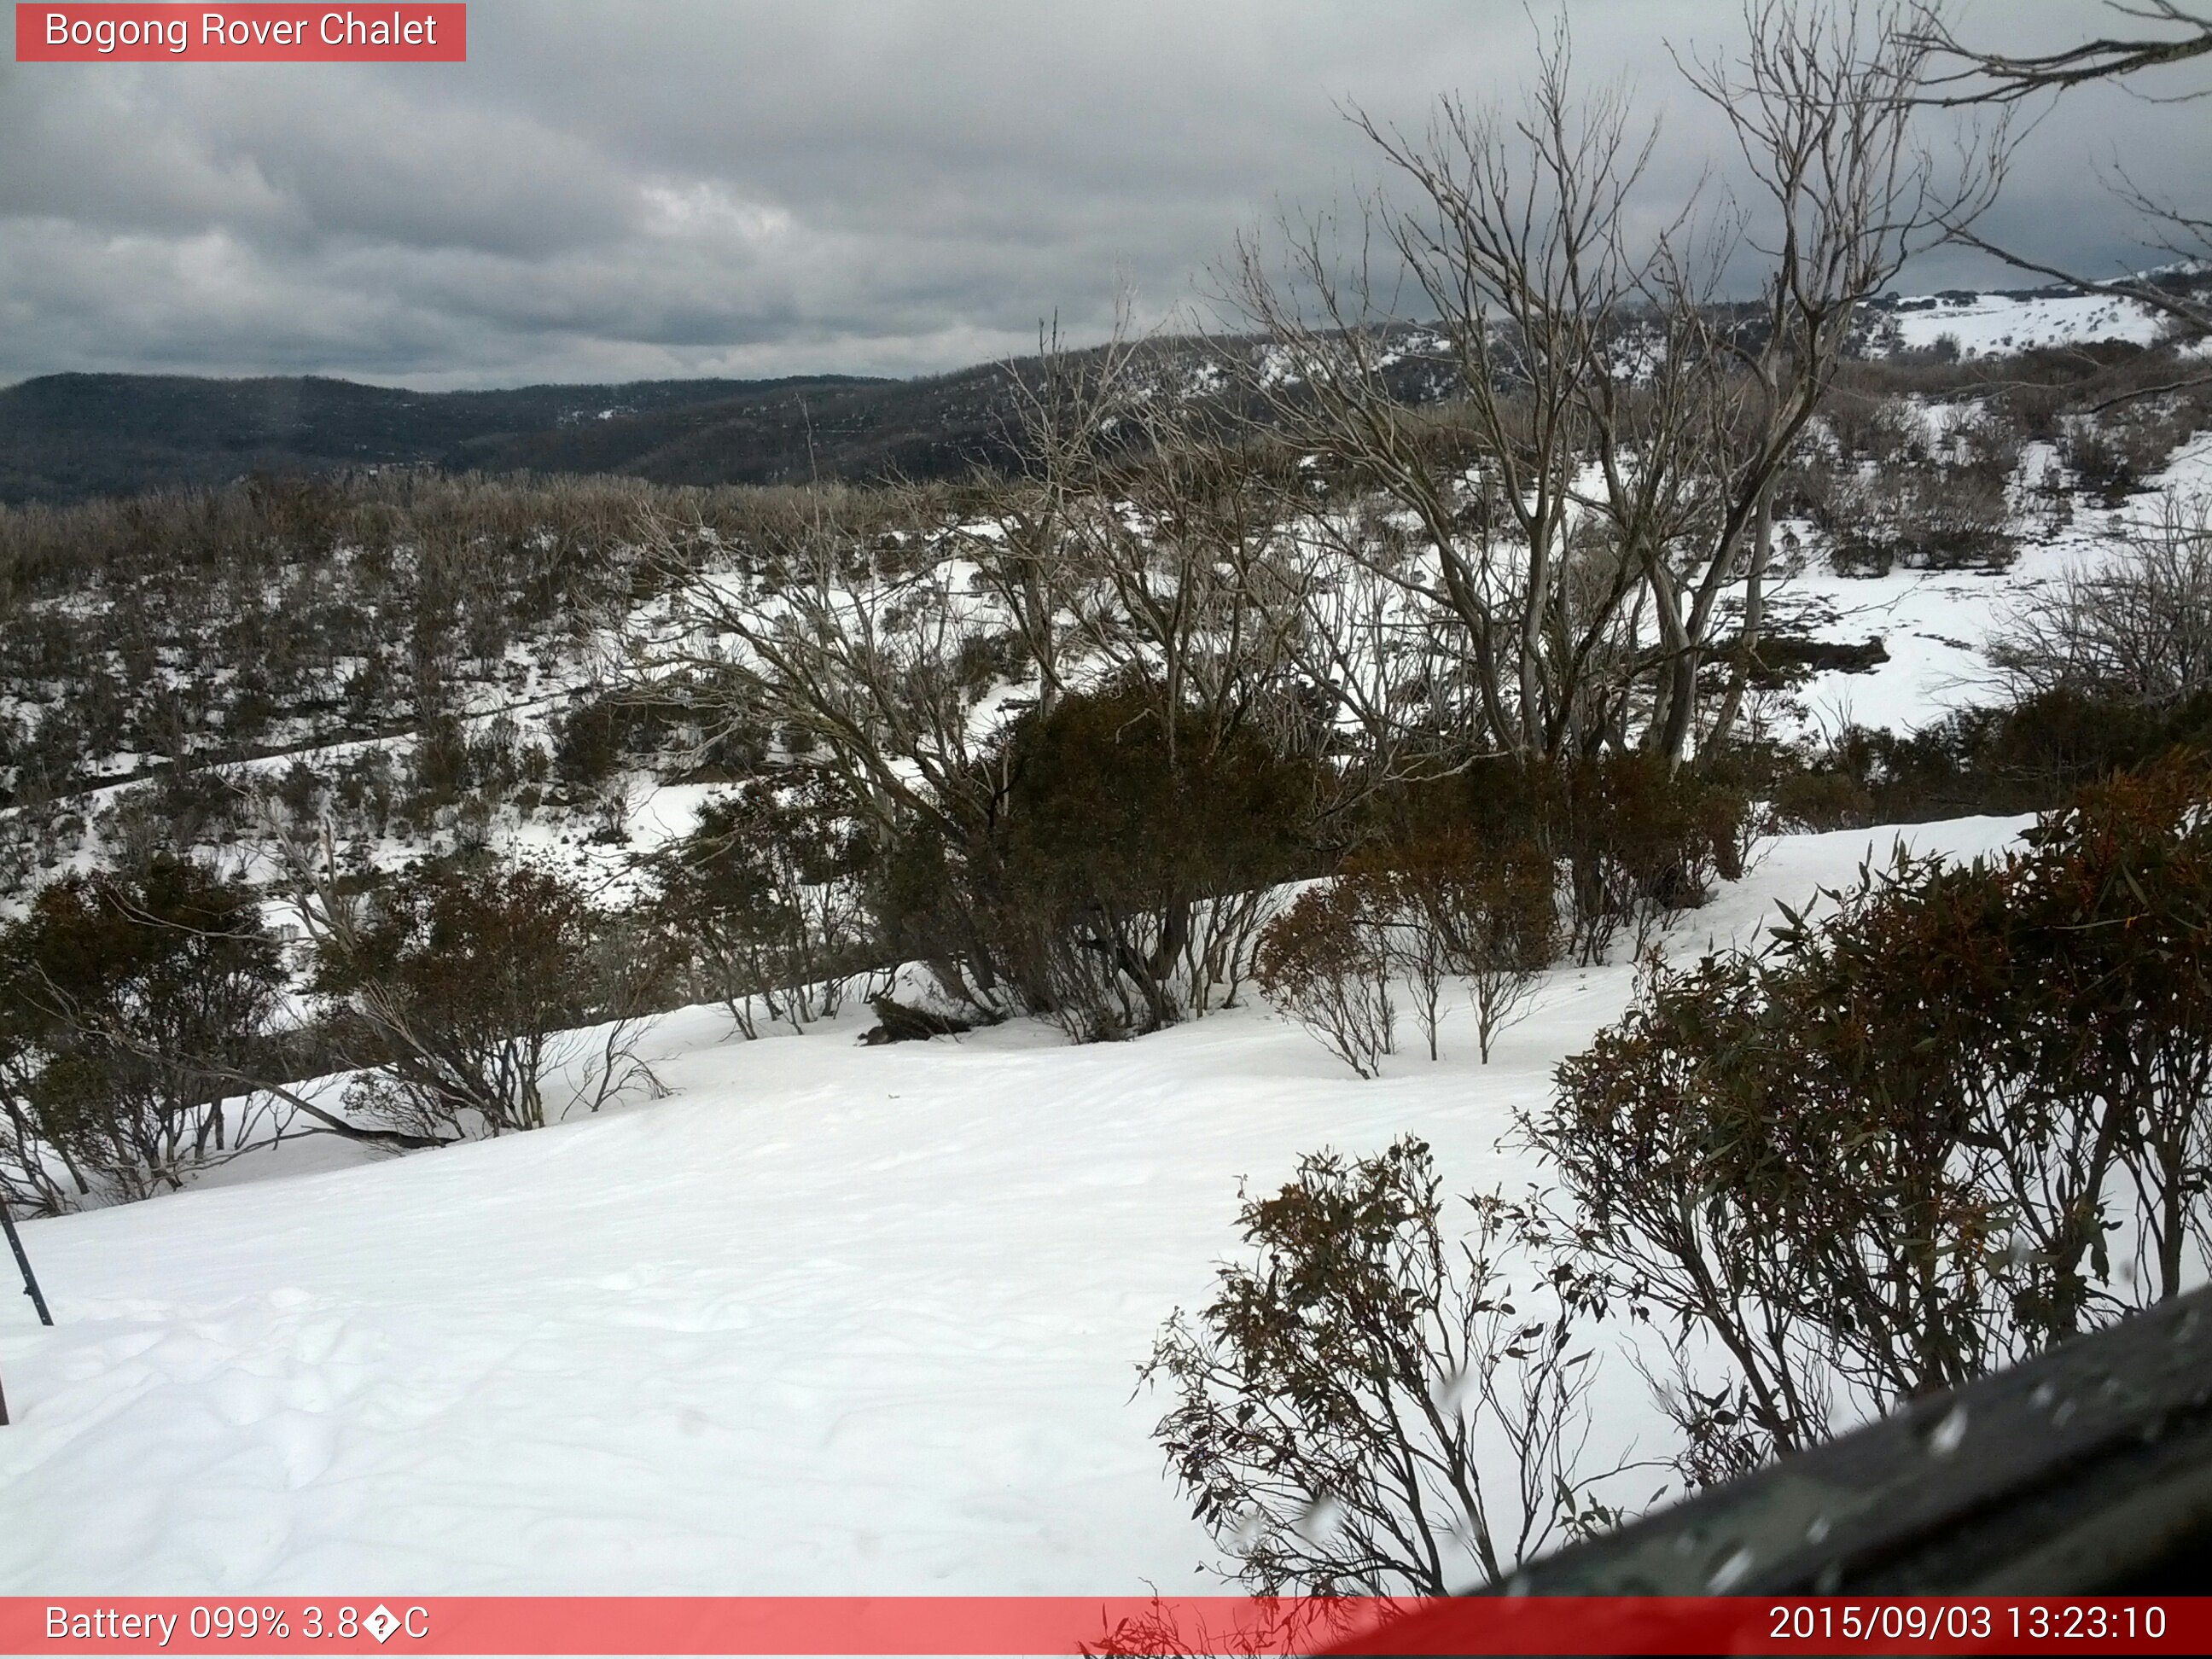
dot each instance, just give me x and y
(829, 1319)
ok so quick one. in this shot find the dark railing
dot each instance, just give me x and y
(2086, 1471)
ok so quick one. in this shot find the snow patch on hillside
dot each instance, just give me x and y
(1992, 325)
(1936, 625)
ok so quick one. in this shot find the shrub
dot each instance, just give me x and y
(1629, 838)
(2136, 630)
(601, 735)
(762, 896)
(1925, 518)
(1326, 962)
(1963, 1116)
(1457, 904)
(2027, 758)
(1109, 865)
(2114, 454)
(1133, 834)
(124, 998)
(1363, 1407)
(1640, 840)
(465, 990)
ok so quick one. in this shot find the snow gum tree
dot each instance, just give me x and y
(1603, 475)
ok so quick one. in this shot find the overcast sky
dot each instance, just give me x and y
(623, 191)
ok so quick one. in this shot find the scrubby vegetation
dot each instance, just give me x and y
(1336, 1404)
(1946, 1119)
(1375, 671)
(1959, 1117)
(1059, 736)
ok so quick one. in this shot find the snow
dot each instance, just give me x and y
(828, 1319)
(1994, 324)
(1936, 625)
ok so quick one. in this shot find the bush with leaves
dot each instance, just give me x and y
(1641, 839)
(1961, 1117)
(2028, 756)
(762, 897)
(125, 997)
(1327, 962)
(1116, 867)
(1368, 1408)
(1146, 839)
(466, 991)
(1462, 905)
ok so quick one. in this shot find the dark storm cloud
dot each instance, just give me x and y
(893, 186)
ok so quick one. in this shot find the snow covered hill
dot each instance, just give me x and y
(1935, 625)
(828, 1318)
(1993, 325)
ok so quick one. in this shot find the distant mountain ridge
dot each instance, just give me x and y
(64, 437)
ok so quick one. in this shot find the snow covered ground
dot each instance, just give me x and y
(828, 1318)
(1985, 324)
(1936, 624)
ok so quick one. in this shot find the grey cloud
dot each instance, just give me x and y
(617, 189)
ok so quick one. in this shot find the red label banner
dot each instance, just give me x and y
(127, 33)
(1254, 1628)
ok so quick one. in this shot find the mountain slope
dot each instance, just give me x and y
(66, 436)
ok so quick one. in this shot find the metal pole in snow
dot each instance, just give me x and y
(30, 1284)
(30, 1280)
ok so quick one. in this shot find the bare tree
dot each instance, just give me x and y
(1134, 552)
(2135, 627)
(855, 651)
(1136, 540)
(1957, 74)
(1515, 244)
(2007, 77)
(1066, 407)
(1821, 104)
(1603, 476)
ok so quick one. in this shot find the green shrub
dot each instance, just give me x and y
(125, 998)
(2027, 758)
(1117, 872)
(762, 897)
(464, 990)
(1960, 1117)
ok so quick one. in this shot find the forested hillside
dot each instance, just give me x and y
(64, 437)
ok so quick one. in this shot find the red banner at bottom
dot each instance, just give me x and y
(995, 1625)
